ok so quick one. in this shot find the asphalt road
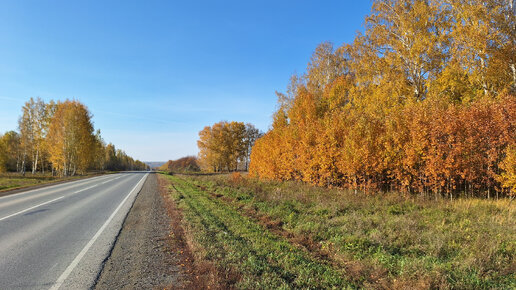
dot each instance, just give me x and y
(58, 237)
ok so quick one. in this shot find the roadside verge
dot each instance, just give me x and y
(146, 254)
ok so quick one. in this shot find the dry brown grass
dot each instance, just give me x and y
(384, 240)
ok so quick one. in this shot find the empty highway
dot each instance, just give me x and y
(57, 237)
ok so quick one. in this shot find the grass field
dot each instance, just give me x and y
(290, 235)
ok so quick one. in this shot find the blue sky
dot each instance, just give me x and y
(154, 73)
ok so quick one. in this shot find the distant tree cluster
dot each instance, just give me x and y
(114, 159)
(226, 146)
(181, 165)
(59, 137)
(423, 101)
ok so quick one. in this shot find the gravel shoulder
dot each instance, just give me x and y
(145, 254)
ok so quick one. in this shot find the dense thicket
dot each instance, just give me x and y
(226, 146)
(423, 101)
(59, 137)
(181, 165)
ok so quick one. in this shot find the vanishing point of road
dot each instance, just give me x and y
(58, 237)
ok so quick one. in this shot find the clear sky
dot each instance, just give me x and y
(154, 73)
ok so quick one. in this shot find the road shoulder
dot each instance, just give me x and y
(145, 253)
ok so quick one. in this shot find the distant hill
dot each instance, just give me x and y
(155, 164)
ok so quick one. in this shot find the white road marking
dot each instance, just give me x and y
(79, 257)
(33, 207)
(111, 180)
(20, 212)
(97, 184)
(84, 189)
(64, 184)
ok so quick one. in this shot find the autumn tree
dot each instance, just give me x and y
(184, 164)
(32, 131)
(12, 152)
(50, 109)
(100, 152)
(3, 155)
(115, 159)
(70, 138)
(508, 165)
(251, 134)
(422, 101)
(111, 162)
(225, 145)
(60, 136)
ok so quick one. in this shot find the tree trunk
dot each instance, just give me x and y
(35, 162)
(356, 185)
(22, 169)
(484, 84)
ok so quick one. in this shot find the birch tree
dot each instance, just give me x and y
(70, 138)
(32, 130)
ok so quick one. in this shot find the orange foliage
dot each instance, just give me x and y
(226, 146)
(421, 148)
(184, 164)
(420, 102)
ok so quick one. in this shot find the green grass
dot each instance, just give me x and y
(327, 238)
(250, 256)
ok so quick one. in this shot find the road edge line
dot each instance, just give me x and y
(59, 282)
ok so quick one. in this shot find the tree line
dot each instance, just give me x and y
(423, 101)
(59, 137)
(226, 146)
(181, 165)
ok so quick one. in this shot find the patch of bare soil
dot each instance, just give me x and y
(203, 274)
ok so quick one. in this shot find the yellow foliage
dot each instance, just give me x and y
(508, 165)
(423, 101)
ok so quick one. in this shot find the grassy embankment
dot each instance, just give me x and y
(10, 181)
(290, 235)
